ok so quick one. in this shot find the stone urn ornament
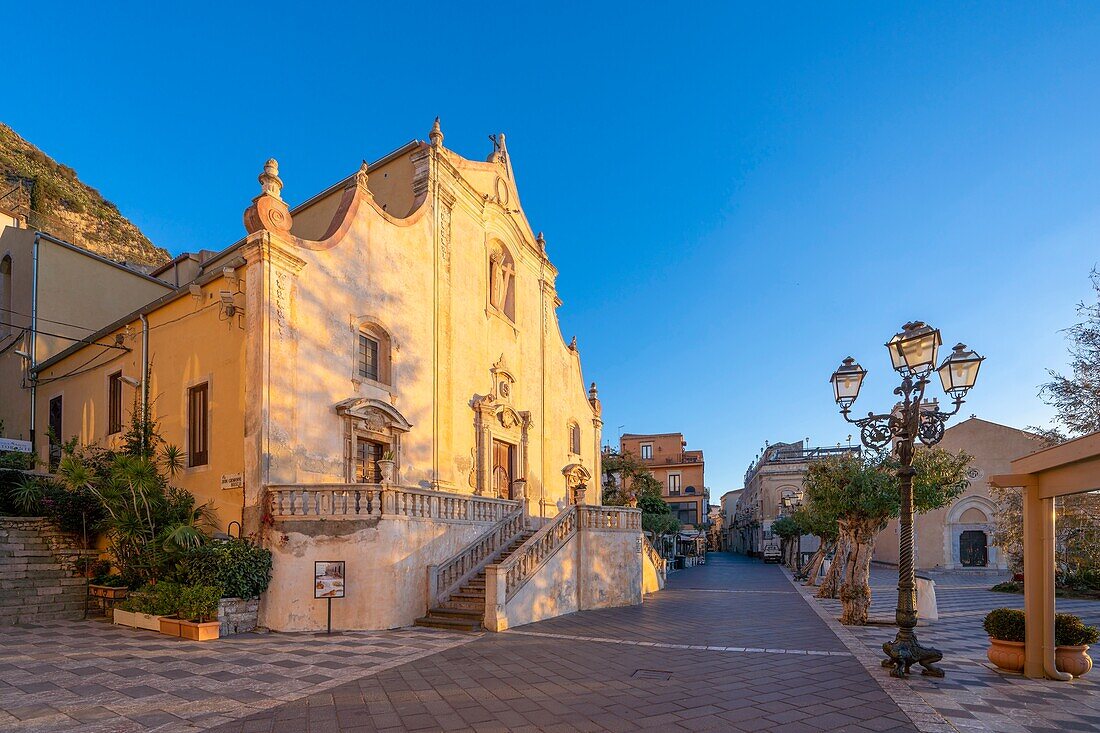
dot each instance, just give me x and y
(578, 494)
(386, 465)
(632, 501)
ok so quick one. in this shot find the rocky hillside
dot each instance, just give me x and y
(54, 200)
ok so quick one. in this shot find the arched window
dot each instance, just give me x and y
(574, 438)
(502, 276)
(6, 316)
(373, 360)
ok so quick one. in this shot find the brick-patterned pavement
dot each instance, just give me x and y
(974, 696)
(729, 646)
(90, 676)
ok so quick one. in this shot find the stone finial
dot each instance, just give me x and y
(270, 183)
(361, 175)
(540, 240)
(268, 210)
(500, 149)
(573, 344)
(436, 135)
(593, 393)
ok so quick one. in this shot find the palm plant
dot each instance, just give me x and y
(149, 524)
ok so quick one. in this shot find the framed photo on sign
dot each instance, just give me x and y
(328, 579)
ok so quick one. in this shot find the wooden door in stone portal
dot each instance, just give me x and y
(972, 548)
(503, 462)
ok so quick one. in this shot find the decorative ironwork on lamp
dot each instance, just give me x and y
(913, 352)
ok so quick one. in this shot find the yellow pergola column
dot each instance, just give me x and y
(1039, 547)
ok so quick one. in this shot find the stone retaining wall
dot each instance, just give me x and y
(237, 615)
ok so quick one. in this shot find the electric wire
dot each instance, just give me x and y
(48, 320)
(40, 332)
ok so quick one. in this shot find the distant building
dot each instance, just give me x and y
(728, 510)
(777, 473)
(679, 470)
(958, 537)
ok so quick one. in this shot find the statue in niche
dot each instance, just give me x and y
(501, 274)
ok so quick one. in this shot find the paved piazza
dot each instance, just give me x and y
(729, 646)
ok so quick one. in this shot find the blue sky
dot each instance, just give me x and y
(737, 197)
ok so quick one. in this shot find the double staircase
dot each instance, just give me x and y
(464, 609)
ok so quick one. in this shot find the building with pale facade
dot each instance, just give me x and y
(680, 472)
(52, 296)
(377, 376)
(728, 511)
(959, 536)
(772, 483)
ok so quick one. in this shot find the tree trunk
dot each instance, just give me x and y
(855, 590)
(814, 566)
(830, 585)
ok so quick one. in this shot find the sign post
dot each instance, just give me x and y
(328, 583)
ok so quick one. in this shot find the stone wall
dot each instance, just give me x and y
(238, 615)
(38, 583)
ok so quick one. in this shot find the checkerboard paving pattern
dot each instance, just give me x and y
(975, 696)
(689, 658)
(90, 676)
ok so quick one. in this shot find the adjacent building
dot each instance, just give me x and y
(728, 512)
(52, 295)
(958, 537)
(679, 470)
(376, 376)
(772, 485)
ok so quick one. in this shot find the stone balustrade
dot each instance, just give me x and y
(523, 563)
(365, 501)
(610, 517)
(448, 577)
(659, 562)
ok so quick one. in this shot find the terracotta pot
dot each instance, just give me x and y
(1008, 655)
(1074, 660)
(169, 626)
(196, 631)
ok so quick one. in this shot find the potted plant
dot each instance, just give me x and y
(386, 465)
(1071, 644)
(1005, 627)
(109, 587)
(198, 612)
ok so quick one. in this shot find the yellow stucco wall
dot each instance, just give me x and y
(189, 343)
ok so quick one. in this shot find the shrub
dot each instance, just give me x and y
(1009, 586)
(1082, 580)
(199, 602)
(1005, 624)
(238, 567)
(1070, 630)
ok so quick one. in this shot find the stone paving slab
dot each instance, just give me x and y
(975, 697)
(89, 676)
(679, 662)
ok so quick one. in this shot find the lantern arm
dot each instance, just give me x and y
(932, 423)
(875, 431)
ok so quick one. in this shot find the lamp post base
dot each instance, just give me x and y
(905, 651)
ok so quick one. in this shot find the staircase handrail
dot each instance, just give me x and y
(659, 563)
(522, 564)
(447, 577)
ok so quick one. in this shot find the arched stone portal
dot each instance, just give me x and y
(967, 534)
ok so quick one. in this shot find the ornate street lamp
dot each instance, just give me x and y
(913, 355)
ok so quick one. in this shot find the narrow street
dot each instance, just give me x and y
(726, 646)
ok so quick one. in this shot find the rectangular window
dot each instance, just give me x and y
(55, 432)
(647, 451)
(674, 484)
(367, 455)
(368, 357)
(114, 403)
(686, 511)
(575, 439)
(198, 425)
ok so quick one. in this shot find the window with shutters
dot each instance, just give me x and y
(114, 403)
(198, 425)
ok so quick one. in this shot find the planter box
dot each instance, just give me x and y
(196, 631)
(124, 618)
(146, 621)
(1074, 660)
(107, 591)
(169, 625)
(1008, 655)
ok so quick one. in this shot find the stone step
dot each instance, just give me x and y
(453, 604)
(450, 624)
(469, 594)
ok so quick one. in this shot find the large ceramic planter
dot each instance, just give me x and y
(385, 467)
(1008, 655)
(1074, 660)
(123, 618)
(169, 625)
(196, 631)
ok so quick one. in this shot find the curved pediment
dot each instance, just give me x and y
(373, 412)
